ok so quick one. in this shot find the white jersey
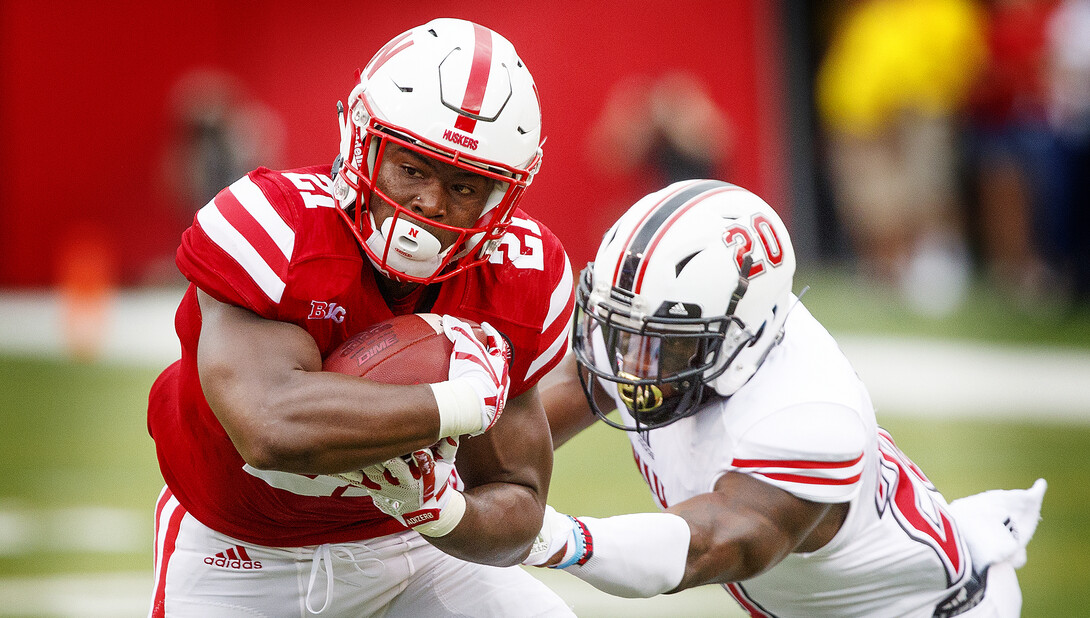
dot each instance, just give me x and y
(805, 423)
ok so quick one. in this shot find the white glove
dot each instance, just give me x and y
(472, 399)
(561, 536)
(998, 524)
(417, 489)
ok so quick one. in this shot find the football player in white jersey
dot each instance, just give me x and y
(755, 436)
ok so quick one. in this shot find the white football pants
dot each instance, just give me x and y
(201, 573)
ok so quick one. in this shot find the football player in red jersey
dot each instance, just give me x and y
(286, 491)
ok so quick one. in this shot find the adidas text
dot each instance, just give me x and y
(241, 565)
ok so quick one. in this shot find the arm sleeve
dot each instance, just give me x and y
(813, 451)
(240, 246)
(635, 556)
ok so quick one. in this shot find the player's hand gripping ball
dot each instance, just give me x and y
(467, 364)
(483, 369)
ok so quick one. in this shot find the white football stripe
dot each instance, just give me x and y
(235, 244)
(558, 347)
(559, 298)
(255, 203)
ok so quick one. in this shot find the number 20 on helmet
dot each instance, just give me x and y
(689, 290)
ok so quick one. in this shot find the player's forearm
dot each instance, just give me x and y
(264, 381)
(499, 524)
(320, 423)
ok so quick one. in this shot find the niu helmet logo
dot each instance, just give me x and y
(320, 310)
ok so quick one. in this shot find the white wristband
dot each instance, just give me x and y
(449, 517)
(459, 408)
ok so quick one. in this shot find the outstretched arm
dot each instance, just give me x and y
(745, 526)
(263, 380)
(735, 532)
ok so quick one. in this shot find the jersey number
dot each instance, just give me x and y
(905, 490)
(526, 252)
(316, 190)
(741, 237)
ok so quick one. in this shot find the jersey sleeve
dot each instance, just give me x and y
(813, 451)
(537, 300)
(553, 343)
(240, 245)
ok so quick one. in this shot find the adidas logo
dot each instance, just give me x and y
(679, 309)
(234, 558)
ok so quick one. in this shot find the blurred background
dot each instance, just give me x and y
(930, 158)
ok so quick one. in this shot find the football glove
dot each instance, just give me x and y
(472, 400)
(416, 489)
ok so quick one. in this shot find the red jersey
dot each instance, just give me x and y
(273, 243)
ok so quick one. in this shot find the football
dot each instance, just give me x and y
(406, 349)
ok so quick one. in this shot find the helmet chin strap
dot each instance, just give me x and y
(743, 284)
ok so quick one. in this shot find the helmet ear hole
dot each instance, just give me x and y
(757, 335)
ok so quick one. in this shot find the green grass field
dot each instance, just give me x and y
(74, 438)
(74, 448)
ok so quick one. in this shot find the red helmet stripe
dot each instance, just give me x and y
(478, 78)
(631, 264)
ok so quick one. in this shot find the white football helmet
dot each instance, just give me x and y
(454, 91)
(689, 288)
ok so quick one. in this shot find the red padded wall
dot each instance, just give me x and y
(85, 104)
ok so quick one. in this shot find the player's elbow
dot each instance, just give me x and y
(723, 554)
(261, 450)
(266, 453)
(267, 445)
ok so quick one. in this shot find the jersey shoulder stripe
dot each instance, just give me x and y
(814, 450)
(796, 463)
(833, 473)
(561, 302)
(242, 222)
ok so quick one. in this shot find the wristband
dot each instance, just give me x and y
(581, 550)
(459, 408)
(448, 518)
